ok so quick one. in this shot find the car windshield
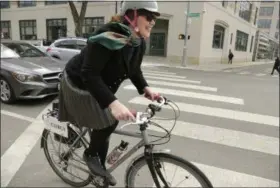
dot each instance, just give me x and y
(25, 50)
(8, 53)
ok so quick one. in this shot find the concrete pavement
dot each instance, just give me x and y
(229, 127)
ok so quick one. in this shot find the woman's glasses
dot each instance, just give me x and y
(149, 15)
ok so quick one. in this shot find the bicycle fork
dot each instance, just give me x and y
(154, 167)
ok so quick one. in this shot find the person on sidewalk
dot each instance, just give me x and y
(230, 57)
(91, 79)
(276, 66)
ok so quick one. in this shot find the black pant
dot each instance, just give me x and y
(99, 143)
(229, 61)
(275, 68)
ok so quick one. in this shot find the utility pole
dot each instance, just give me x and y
(185, 58)
(116, 7)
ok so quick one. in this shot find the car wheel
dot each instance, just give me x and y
(7, 93)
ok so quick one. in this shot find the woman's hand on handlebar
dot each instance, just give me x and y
(121, 112)
(150, 94)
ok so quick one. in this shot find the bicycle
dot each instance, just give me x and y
(75, 138)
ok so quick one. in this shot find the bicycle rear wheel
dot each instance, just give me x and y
(190, 175)
(62, 166)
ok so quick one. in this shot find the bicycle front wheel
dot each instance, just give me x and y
(173, 170)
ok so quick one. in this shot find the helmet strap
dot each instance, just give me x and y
(133, 23)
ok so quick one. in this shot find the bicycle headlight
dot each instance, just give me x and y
(23, 77)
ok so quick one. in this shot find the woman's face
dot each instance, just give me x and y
(145, 23)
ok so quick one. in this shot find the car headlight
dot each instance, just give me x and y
(22, 77)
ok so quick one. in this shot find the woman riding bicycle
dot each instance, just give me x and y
(91, 79)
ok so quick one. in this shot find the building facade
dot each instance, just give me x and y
(269, 18)
(268, 25)
(218, 27)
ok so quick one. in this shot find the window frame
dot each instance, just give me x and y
(22, 23)
(221, 39)
(9, 28)
(244, 36)
(25, 3)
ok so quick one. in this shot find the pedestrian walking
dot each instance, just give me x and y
(230, 57)
(276, 66)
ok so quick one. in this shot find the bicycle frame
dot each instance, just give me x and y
(143, 142)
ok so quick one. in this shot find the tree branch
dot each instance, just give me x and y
(74, 12)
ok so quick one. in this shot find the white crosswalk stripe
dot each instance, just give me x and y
(173, 79)
(193, 95)
(163, 75)
(260, 74)
(171, 85)
(243, 73)
(159, 72)
(186, 86)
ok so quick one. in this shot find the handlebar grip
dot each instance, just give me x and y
(154, 108)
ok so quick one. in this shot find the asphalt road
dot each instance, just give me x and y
(228, 127)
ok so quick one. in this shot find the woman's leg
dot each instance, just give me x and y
(95, 154)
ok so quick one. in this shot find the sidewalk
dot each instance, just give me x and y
(154, 62)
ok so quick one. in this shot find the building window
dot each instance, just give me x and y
(251, 46)
(28, 30)
(55, 2)
(218, 37)
(241, 41)
(5, 4)
(26, 3)
(256, 16)
(231, 36)
(56, 28)
(90, 24)
(266, 11)
(245, 10)
(276, 35)
(264, 23)
(6, 29)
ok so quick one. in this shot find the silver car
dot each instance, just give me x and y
(27, 72)
(65, 48)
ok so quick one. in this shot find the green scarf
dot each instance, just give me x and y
(116, 41)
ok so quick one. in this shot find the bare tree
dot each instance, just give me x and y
(78, 18)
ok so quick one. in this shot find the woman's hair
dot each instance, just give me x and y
(116, 18)
(119, 18)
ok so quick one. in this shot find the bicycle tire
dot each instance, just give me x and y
(74, 184)
(141, 162)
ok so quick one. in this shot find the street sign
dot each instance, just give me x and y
(193, 14)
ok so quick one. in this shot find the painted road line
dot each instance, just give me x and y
(227, 71)
(18, 116)
(222, 136)
(158, 72)
(15, 156)
(187, 86)
(173, 79)
(164, 75)
(196, 95)
(218, 112)
(220, 177)
(243, 73)
(260, 74)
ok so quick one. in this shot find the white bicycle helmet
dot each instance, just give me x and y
(151, 6)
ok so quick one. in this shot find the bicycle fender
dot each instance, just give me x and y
(43, 137)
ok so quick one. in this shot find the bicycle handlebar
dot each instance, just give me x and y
(143, 117)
